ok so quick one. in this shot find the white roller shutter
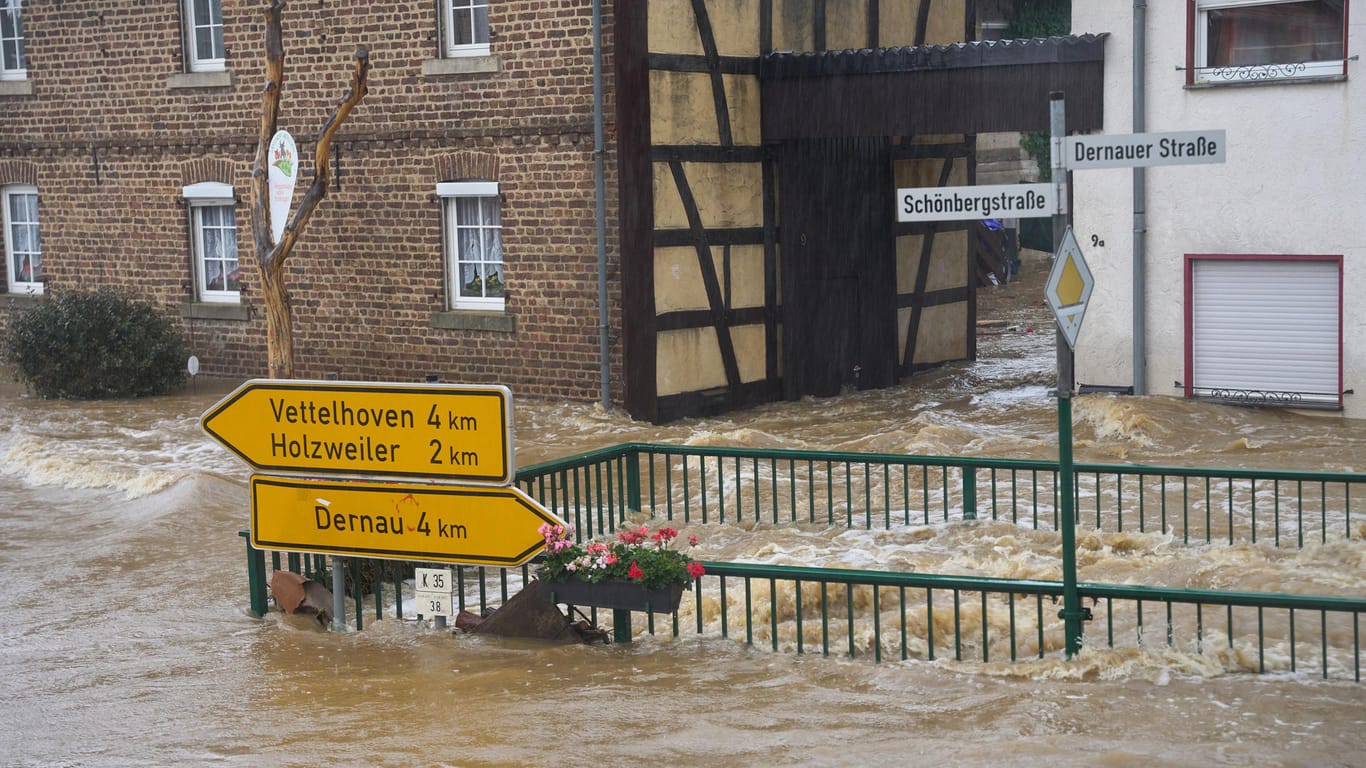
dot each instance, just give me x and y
(1266, 331)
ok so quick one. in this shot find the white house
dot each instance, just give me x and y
(1247, 275)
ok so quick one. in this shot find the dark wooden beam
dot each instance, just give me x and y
(635, 211)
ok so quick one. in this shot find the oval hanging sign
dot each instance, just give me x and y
(281, 174)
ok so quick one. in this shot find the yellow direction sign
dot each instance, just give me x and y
(429, 431)
(471, 525)
(1069, 287)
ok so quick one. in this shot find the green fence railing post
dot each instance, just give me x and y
(621, 625)
(632, 500)
(969, 493)
(1072, 613)
(256, 577)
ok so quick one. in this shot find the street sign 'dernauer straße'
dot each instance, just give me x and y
(1069, 287)
(1132, 150)
(469, 524)
(442, 432)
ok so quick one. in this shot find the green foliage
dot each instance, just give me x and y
(1039, 18)
(92, 345)
(1035, 143)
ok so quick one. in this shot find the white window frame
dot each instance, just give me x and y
(1250, 73)
(194, 61)
(200, 197)
(449, 25)
(30, 287)
(13, 8)
(451, 193)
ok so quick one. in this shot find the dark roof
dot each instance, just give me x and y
(984, 53)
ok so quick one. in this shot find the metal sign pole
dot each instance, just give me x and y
(1071, 613)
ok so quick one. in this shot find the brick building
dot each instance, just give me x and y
(459, 236)
(142, 149)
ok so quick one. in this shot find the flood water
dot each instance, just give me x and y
(126, 641)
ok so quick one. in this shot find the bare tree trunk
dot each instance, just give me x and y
(279, 322)
(270, 254)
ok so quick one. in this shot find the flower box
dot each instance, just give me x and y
(617, 594)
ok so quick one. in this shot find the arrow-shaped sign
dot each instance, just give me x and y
(471, 525)
(429, 431)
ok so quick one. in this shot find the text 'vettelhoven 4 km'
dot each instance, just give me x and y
(428, 431)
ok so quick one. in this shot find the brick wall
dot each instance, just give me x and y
(113, 144)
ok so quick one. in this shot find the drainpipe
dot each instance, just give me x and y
(600, 201)
(1140, 329)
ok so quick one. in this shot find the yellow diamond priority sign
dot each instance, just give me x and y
(1069, 287)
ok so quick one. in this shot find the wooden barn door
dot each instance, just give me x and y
(837, 265)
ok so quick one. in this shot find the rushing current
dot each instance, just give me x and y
(126, 639)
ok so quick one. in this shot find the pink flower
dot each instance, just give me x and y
(695, 569)
(634, 571)
(692, 540)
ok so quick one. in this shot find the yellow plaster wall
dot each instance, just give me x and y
(942, 333)
(734, 24)
(925, 173)
(672, 28)
(945, 23)
(682, 110)
(792, 25)
(749, 350)
(678, 277)
(948, 261)
(727, 195)
(846, 24)
(689, 360)
(896, 22)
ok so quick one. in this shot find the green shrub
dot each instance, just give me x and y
(95, 344)
(1039, 18)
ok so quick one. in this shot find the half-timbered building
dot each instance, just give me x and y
(743, 154)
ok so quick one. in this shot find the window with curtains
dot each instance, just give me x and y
(213, 239)
(1239, 41)
(474, 244)
(23, 250)
(12, 65)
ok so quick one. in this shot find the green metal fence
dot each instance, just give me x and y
(927, 616)
(857, 490)
(907, 615)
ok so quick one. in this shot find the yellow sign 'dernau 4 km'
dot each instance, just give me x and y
(444, 432)
(471, 525)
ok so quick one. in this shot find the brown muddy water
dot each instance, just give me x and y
(125, 639)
